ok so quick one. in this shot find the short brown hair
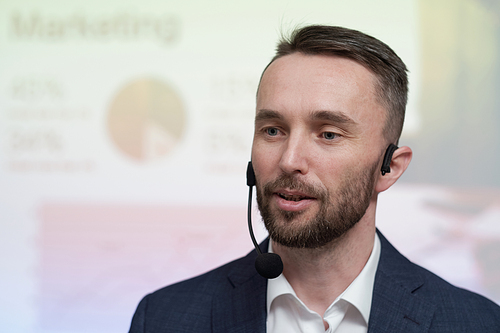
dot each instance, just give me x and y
(376, 56)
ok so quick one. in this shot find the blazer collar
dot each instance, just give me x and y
(395, 307)
(243, 307)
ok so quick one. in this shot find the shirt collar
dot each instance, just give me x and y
(358, 293)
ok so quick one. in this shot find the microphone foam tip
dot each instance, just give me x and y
(269, 265)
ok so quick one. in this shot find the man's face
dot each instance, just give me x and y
(317, 147)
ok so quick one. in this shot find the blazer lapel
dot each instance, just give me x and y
(394, 306)
(243, 308)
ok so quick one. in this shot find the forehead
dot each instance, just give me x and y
(301, 83)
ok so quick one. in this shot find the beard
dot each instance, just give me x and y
(338, 212)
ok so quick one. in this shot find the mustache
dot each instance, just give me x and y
(286, 181)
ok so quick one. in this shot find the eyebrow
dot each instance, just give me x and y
(265, 114)
(333, 116)
(336, 117)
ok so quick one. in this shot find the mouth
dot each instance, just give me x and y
(293, 201)
(293, 197)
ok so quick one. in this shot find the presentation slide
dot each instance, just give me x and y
(126, 128)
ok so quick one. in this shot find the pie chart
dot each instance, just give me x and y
(146, 119)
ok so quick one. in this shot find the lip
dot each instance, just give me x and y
(293, 206)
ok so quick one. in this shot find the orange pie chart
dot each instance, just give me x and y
(146, 119)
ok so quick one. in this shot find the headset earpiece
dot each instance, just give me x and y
(386, 164)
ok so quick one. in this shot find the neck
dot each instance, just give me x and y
(319, 276)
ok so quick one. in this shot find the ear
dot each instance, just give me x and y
(400, 161)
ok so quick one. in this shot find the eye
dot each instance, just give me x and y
(329, 135)
(272, 131)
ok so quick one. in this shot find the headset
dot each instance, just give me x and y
(386, 163)
(270, 265)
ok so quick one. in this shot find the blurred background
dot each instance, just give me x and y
(126, 126)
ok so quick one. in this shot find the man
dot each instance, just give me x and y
(330, 110)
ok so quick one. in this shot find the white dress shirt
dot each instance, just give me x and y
(349, 313)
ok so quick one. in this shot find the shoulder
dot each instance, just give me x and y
(189, 303)
(458, 306)
(214, 282)
(201, 288)
(454, 309)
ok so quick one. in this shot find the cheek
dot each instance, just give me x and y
(336, 173)
(262, 162)
(331, 180)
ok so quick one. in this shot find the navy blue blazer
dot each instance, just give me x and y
(232, 298)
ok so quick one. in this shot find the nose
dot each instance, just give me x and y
(295, 156)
